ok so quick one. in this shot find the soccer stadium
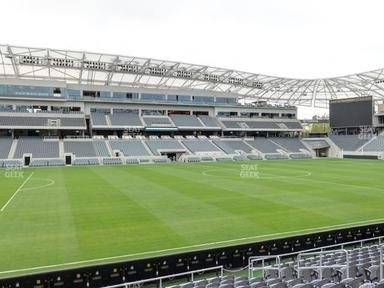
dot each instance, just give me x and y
(123, 171)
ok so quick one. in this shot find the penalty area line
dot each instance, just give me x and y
(17, 191)
(107, 260)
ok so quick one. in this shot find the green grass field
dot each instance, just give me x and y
(81, 215)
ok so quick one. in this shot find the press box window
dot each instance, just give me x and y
(57, 91)
(94, 94)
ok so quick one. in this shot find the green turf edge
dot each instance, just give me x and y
(119, 259)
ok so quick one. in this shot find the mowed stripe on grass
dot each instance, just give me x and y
(107, 211)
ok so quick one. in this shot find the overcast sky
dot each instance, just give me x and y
(290, 38)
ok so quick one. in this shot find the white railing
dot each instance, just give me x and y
(159, 280)
(254, 260)
(320, 267)
(381, 263)
(254, 267)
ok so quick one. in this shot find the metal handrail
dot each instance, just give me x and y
(381, 263)
(342, 245)
(253, 259)
(321, 266)
(161, 278)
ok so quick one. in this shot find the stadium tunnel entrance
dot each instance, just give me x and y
(321, 152)
(172, 155)
(319, 146)
(27, 160)
(68, 159)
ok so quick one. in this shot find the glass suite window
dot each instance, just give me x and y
(152, 97)
(172, 98)
(203, 99)
(184, 98)
(125, 95)
(105, 94)
(73, 93)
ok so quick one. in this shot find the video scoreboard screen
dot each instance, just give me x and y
(351, 112)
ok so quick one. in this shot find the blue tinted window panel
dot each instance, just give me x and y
(172, 98)
(152, 97)
(184, 98)
(105, 94)
(119, 95)
(73, 93)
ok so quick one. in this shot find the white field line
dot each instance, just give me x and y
(156, 252)
(50, 182)
(17, 191)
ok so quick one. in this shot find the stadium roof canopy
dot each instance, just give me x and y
(116, 70)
